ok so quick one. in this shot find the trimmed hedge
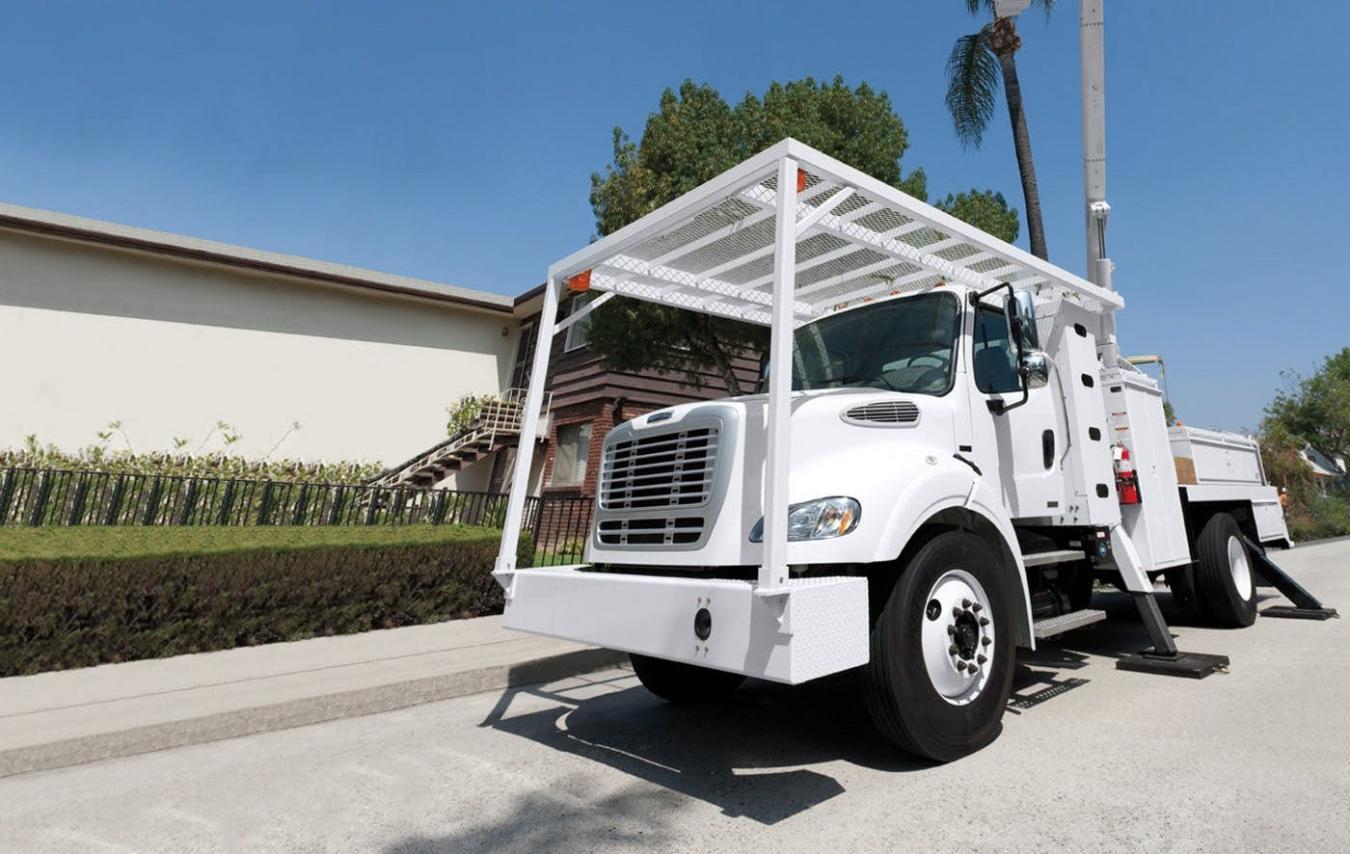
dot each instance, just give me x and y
(82, 609)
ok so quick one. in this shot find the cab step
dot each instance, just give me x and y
(1057, 556)
(1052, 626)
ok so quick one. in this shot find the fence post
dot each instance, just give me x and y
(265, 503)
(77, 503)
(152, 503)
(6, 494)
(335, 510)
(226, 503)
(39, 506)
(298, 516)
(189, 502)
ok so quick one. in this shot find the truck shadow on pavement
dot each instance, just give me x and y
(742, 756)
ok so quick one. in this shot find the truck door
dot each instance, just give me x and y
(1019, 449)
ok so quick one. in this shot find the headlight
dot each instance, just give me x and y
(820, 519)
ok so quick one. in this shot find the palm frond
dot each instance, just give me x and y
(974, 6)
(972, 86)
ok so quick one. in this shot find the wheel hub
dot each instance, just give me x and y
(1240, 566)
(958, 637)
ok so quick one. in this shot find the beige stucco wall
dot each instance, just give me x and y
(90, 333)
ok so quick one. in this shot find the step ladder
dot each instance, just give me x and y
(1050, 627)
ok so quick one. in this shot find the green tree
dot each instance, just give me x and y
(1317, 408)
(974, 67)
(695, 135)
(984, 209)
(1310, 410)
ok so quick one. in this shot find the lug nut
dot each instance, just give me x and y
(984, 621)
(961, 666)
(951, 630)
(981, 659)
(956, 612)
(985, 641)
(951, 650)
(965, 603)
(977, 607)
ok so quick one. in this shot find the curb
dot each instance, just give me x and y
(296, 713)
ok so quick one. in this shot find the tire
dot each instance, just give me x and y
(1225, 585)
(906, 703)
(1181, 581)
(683, 684)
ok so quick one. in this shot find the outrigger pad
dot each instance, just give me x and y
(1291, 613)
(1193, 665)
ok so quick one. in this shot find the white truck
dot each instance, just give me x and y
(949, 454)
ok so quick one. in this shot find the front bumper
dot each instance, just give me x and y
(809, 628)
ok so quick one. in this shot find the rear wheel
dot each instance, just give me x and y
(677, 682)
(942, 651)
(1224, 584)
(1181, 581)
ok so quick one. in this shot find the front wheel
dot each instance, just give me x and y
(942, 651)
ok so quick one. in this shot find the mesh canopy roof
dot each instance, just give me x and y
(712, 250)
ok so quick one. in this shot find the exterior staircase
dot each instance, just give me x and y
(496, 426)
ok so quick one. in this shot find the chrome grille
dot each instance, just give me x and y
(898, 412)
(676, 531)
(665, 470)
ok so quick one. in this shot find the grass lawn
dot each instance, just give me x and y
(57, 543)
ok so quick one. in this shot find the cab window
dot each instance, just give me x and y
(995, 357)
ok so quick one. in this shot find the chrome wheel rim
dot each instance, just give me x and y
(958, 637)
(1239, 564)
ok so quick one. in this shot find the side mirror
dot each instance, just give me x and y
(1021, 310)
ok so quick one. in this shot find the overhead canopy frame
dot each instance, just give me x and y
(787, 236)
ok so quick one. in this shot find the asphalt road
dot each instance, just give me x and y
(1091, 758)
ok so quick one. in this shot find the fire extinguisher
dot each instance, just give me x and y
(1127, 479)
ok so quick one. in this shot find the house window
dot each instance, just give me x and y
(520, 375)
(578, 334)
(569, 462)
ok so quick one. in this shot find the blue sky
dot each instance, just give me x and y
(454, 141)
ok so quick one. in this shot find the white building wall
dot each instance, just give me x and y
(89, 334)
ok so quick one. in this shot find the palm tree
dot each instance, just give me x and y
(976, 63)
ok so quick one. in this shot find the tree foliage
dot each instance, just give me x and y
(1312, 410)
(1317, 408)
(985, 209)
(695, 135)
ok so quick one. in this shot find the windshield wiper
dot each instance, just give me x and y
(855, 378)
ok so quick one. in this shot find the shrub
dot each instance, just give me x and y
(461, 413)
(101, 458)
(84, 608)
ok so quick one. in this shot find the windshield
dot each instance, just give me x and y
(902, 344)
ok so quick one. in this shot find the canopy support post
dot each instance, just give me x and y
(773, 572)
(529, 429)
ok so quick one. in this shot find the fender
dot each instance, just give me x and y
(951, 485)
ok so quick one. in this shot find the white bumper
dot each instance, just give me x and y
(810, 628)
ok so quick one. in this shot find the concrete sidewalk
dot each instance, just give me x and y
(74, 716)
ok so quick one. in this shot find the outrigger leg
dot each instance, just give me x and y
(1164, 657)
(1306, 606)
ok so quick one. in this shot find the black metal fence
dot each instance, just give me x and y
(43, 497)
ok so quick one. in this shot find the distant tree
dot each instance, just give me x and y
(1311, 410)
(696, 135)
(974, 67)
(1317, 408)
